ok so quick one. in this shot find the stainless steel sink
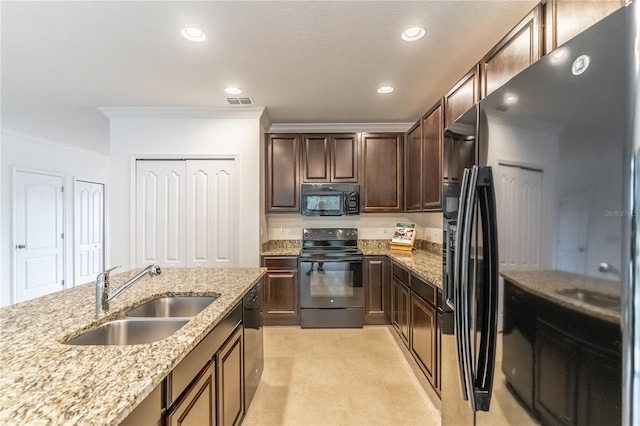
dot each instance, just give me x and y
(130, 331)
(175, 306)
(592, 297)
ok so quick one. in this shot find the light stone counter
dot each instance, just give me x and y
(546, 284)
(43, 381)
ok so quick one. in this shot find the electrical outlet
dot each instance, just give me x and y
(282, 229)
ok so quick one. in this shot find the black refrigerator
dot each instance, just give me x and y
(541, 241)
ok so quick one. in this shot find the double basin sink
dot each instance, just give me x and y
(152, 321)
(594, 298)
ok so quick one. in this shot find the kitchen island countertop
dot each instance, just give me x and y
(43, 381)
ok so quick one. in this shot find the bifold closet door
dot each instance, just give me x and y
(160, 213)
(210, 213)
(185, 213)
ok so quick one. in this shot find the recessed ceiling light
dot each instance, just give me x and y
(510, 99)
(233, 90)
(385, 89)
(413, 34)
(193, 34)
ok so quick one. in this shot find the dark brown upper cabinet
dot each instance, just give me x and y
(330, 158)
(381, 189)
(565, 19)
(413, 169)
(283, 176)
(423, 162)
(515, 52)
(432, 130)
(462, 96)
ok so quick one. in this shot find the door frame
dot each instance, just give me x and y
(106, 255)
(14, 238)
(171, 157)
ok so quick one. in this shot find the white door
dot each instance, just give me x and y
(89, 230)
(519, 209)
(38, 223)
(160, 217)
(210, 213)
(573, 230)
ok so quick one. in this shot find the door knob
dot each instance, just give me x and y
(21, 246)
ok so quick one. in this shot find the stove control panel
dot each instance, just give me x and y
(324, 234)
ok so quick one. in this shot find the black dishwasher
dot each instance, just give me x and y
(253, 343)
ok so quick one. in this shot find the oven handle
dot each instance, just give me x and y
(342, 259)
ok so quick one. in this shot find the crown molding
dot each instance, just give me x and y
(236, 112)
(50, 141)
(338, 127)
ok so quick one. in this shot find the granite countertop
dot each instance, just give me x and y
(425, 263)
(43, 381)
(547, 283)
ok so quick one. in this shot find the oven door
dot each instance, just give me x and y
(331, 283)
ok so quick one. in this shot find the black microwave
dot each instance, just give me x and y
(330, 199)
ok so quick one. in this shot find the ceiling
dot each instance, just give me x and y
(305, 61)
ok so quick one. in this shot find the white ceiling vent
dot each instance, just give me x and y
(239, 101)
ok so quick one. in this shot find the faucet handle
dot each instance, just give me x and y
(105, 274)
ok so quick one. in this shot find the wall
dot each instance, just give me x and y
(370, 226)
(19, 149)
(174, 133)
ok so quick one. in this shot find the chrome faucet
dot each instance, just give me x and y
(102, 286)
(607, 268)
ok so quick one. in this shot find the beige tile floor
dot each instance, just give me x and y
(338, 377)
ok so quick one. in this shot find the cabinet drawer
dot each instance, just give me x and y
(284, 263)
(423, 289)
(400, 273)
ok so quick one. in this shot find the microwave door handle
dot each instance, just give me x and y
(483, 385)
(457, 285)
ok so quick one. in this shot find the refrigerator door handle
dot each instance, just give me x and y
(454, 295)
(488, 299)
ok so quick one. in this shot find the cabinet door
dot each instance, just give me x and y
(315, 158)
(599, 388)
(283, 180)
(198, 405)
(344, 157)
(230, 380)
(565, 19)
(423, 338)
(556, 373)
(439, 353)
(382, 183)
(404, 312)
(462, 96)
(413, 169)
(376, 289)
(519, 49)
(432, 130)
(394, 290)
(280, 296)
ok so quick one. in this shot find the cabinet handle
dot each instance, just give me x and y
(21, 246)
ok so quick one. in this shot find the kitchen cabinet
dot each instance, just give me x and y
(459, 153)
(464, 94)
(432, 130)
(198, 405)
(400, 305)
(382, 181)
(565, 19)
(564, 365)
(281, 302)
(206, 387)
(515, 52)
(150, 412)
(230, 381)
(423, 336)
(376, 289)
(330, 158)
(282, 173)
(413, 169)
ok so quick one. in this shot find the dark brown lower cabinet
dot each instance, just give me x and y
(600, 390)
(198, 404)
(376, 289)
(555, 377)
(230, 380)
(424, 336)
(400, 309)
(280, 292)
(150, 412)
